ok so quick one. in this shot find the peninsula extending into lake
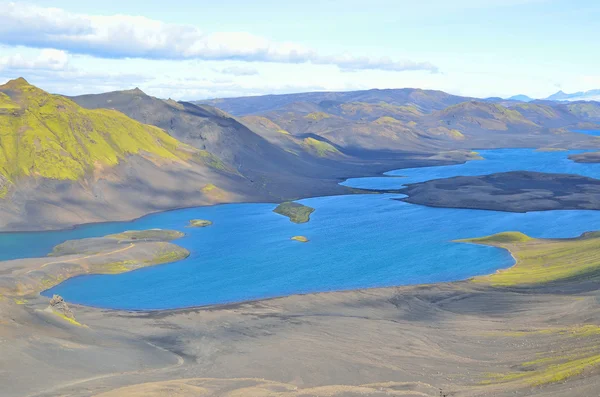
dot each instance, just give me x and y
(517, 191)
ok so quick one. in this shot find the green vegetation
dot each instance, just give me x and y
(578, 352)
(387, 120)
(213, 161)
(540, 261)
(6, 103)
(585, 109)
(301, 239)
(322, 149)
(557, 371)
(52, 137)
(215, 193)
(317, 116)
(505, 237)
(68, 319)
(263, 122)
(168, 253)
(200, 223)
(116, 267)
(487, 115)
(297, 213)
(152, 234)
(542, 110)
(357, 109)
(3, 191)
(451, 133)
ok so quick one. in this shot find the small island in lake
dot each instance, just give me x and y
(301, 239)
(297, 213)
(199, 223)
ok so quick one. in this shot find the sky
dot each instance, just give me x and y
(201, 49)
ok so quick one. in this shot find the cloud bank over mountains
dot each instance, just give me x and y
(125, 36)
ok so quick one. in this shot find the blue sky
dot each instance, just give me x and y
(202, 49)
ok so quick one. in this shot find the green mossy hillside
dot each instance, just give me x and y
(49, 136)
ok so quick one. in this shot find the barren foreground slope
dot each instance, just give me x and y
(531, 330)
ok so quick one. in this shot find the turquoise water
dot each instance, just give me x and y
(355, 242)
(589, 132)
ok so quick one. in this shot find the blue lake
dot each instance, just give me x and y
(356, 241)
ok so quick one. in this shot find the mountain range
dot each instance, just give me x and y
(123, 154)
(591, 95)
(560, 96)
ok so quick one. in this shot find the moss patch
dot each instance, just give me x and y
(317, 116)
(505, 237)
(320, 148)
(199, 223)
(152, 234)
(68, 319)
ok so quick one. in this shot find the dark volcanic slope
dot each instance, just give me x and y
(203, 127)
(274, 165)
(519, 191)
(269, 168)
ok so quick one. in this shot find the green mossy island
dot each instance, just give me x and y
(297, 213)
(301, 239)
(199, 223)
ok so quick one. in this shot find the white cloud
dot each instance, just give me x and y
(238, 71)
(48, 59)
(124, 36)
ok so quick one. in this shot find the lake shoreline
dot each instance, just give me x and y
(409, 338)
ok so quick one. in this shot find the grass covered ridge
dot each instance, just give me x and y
(541, 261)
(52, 137)
(297, 213)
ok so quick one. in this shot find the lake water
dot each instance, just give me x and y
(356, 241)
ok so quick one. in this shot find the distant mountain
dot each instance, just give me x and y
(521, 98)
(425, 100)
(376, 126)
(592, 95)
